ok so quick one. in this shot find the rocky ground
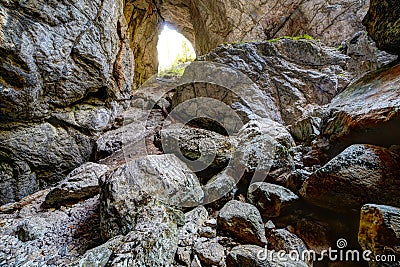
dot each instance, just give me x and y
(263, 146)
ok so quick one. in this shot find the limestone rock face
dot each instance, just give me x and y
(297, 75)
(59, 85)
(237, 20)
(380, 231)
(207, 23)
(56, 60)
(36, 155)
(383, 24)
(360, 174)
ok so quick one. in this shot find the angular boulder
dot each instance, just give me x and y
(282, 239)
(366, 112)
(147, 184)
(210, 253)
(271, 200)
(80, 184)
(152, 242)
(242, 221)
(360, 174)
(263, 150)
(198, 147)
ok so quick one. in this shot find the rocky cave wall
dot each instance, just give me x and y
(209, 23)
(67, 69)
(78, 142)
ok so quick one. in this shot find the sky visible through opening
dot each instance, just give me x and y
(173, 49)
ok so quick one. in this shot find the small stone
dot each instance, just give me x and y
(208, 232)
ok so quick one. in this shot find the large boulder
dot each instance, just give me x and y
(197, 147)
(147, 184)
(153, 242)
(282, 239)
(210, 253)
(263, 150)
(360, 174)
(243, 221)
(221, 93)
(366, 112)
(383, 24)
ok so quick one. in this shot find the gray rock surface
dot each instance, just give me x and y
(365, 56)
(138, 187)
(197, 147)
(220, 89)
(297, 75)
(263, 150)
(220, 188)
(194, 219)
(32, 236)
(360, 174)
(152, 242)
(242, 221)
(271, 200)
(31, 152)
(281, 239)
(59, 86)
(210, 253)
(80, 184)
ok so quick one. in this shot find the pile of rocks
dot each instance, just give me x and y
(260, 147)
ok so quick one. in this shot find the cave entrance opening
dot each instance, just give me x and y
(174, 51)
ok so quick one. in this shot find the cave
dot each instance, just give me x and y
(173, 50)
(199, 132)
